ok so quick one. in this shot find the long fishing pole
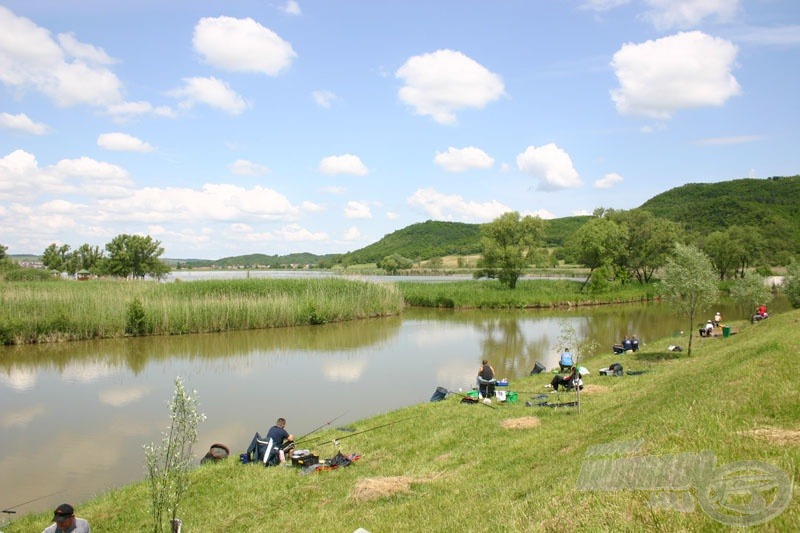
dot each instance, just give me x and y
(365, 431)
(329, 422)
(8, 510)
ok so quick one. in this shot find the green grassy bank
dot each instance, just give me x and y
(59, 310)
(458, 467)
(527, 294)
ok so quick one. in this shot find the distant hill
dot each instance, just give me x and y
(20, 258)
(433, 238)
(256, 261)
(772, 205)
(558, 229)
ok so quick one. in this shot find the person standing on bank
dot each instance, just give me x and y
(65, 521)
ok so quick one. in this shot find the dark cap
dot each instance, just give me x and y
(63, 511)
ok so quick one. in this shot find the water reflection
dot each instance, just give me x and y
(75, 415)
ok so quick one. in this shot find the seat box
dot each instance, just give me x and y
(305, 460)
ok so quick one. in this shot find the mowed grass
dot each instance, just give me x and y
(527, 294)
(457, 467)
(55, 311)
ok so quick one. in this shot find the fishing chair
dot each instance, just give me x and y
(272, 455)
(567, 394)
(486, 387)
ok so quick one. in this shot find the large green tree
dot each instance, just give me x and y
(689, 283)
(734, 249)
(507, 245)
(791, 283)
(87, 257)
(134, 256)
(596, 244)
(56, 257)
(751, 291)
(722, 251)
(648, 240)
(393, 263)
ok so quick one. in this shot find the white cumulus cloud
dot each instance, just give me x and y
(127, 110)
(122, 142)
(292, 8)
(323, 98)
(440, 83)
(448, 207)
(355, 209)
(603, 5)
(551, 165)
(22, 123)
(352, 234)
(295, 233)
(343, 164)
(608, 181)
(461, 159)
(212, 202)
(669, 14)
(22, 178)
(243, 167)
(682, 71)
(65, 70)
(210, 91)
(241, 45)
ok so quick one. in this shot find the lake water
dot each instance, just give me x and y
(75, 415)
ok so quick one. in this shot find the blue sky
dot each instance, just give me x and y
(274, 126)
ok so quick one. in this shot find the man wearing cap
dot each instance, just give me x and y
(65, 521)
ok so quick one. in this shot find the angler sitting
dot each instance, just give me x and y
(566, 362)
(624, 346)
(281, 441)
(568, 382)
(486, 379)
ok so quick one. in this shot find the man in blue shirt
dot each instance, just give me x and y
(280, 438)
(566, 362)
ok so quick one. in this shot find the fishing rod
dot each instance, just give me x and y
(329, 422)
(8, 510)
(365, 431)
(471, 398)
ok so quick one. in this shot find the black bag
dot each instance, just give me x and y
(339, 460)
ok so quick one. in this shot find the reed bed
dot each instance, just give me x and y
(51, 312)
(527, 294)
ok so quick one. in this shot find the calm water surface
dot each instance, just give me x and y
(75, 415)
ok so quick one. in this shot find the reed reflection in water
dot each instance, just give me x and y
(75, 415)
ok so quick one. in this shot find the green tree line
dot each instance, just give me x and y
(126, 256)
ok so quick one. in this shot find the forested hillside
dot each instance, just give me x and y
(772, 205)
(428, 239)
